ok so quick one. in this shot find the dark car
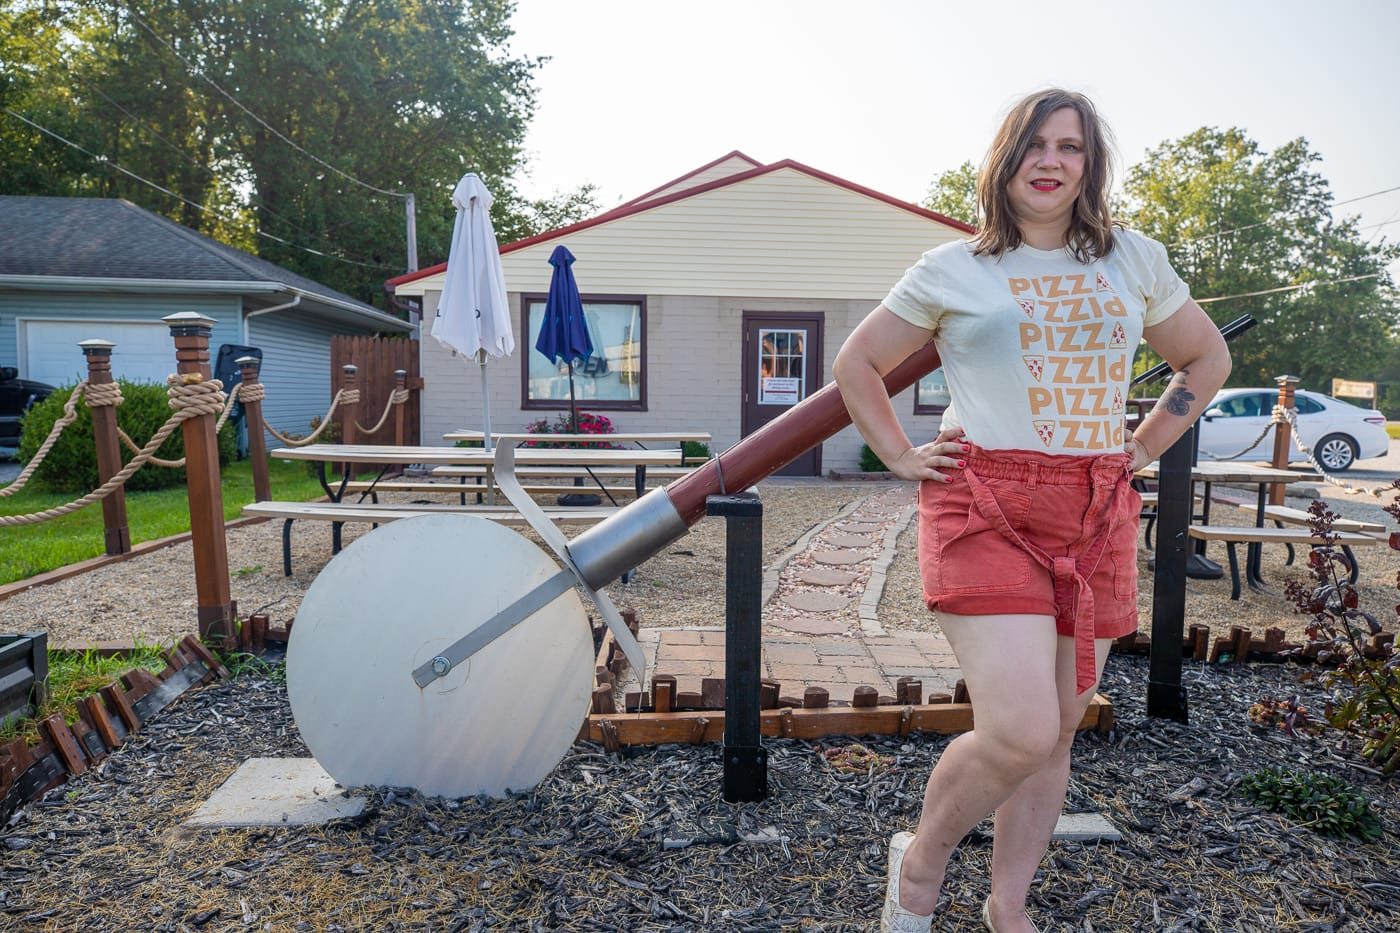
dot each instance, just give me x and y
(16, 396)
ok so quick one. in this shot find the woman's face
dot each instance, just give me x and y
(1043, 190)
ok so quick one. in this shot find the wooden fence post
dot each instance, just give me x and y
(216, 612)
(116, 535)
(249, 367)
(1283, 434)
(349, 404)
(400, 382)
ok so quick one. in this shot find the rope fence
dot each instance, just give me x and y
(342, 396)
(190, 397)
(1289, 416)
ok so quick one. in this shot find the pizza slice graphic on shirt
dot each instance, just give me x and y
(1046, 430)
(1117, 401)
(1119, 338)
(1036, 365)
(1102, 282)
(1027, 305)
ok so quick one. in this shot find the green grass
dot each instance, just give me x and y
(74, 675)
(26, 550)
(1392, 428)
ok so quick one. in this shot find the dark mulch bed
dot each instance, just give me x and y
(644, 842)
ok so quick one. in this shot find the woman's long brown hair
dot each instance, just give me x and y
(1090, 234)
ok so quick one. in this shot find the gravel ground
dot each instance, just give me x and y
(152, 597)
(1207, 601)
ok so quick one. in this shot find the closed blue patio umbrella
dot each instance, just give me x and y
(564, 332)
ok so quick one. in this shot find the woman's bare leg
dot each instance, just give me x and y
(1026, 821)
(1008, 663)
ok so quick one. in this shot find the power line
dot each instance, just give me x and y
(177, 149)
(1264, 223)
(199, 207)
(1292, 288)
(260, 121)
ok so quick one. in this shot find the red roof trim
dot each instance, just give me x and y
(416, 274)
(736, 154)
(636, 206)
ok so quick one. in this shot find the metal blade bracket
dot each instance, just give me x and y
(508, 618)
(547, 530)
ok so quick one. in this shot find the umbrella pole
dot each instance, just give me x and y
(485, 403)
(573, 406)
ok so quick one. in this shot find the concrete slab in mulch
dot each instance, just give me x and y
(827, 576)
(816, 601)
(845, 540)
(839, 557)
(277, 792)
(861, 528)
(1078, 827)
(808, 625)
(1083, 827)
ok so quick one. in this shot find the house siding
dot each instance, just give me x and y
(694, 346)
(781, 241)
(296, 371)
(97, 307)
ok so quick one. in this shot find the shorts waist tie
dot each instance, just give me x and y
(1074, 599)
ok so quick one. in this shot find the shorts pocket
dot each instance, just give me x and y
(971, 555)
(1123, 548)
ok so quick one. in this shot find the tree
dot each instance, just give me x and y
(292, 128)
(1249, 228)
(954, 194)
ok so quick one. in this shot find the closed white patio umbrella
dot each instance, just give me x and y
(473, 316)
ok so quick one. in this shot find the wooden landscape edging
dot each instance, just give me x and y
(658, 721)
(1242, 645)
(104, 721)
(696, 726)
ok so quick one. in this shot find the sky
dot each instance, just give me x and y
(890, 93)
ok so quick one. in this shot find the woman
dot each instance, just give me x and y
(1027, 521)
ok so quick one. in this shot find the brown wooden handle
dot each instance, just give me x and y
(784, 439)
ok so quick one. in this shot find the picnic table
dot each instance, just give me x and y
(583, 457)
(1238, 474)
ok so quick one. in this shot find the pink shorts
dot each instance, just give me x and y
(1018, 531)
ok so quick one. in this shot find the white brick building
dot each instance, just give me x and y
(719, 299)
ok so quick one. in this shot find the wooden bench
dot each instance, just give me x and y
(339, 513)
(1149, 513)
(1283, 514)
(462, 490)
(595, 479)
(602, 472)
(1233, 535)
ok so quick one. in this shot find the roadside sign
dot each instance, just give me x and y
(1347, 388)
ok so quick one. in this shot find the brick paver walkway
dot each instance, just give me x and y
(820, 627)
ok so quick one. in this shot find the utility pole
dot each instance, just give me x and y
(408, 206)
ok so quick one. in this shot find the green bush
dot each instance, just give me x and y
(694, 450)
(1316, 801)
(869, 462)
(71, 466)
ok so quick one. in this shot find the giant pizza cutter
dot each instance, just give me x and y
(450, 654)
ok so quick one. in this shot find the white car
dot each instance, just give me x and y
(1337, 432)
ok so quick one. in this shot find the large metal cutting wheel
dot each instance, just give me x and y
(397, 599)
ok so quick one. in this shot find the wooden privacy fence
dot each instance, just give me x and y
(382, 365)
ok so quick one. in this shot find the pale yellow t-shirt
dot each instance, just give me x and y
(1037, 346)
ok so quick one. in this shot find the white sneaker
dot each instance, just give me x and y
(895, 919)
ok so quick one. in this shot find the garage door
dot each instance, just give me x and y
(143, 353)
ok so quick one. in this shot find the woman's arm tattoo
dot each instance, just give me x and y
(1178, 398)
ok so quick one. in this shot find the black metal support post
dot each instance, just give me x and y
(745, 762)
(1166, 698)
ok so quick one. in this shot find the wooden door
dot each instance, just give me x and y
(782, 365)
